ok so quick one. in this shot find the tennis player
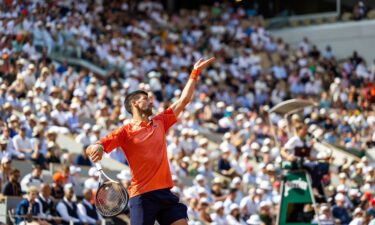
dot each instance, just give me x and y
(143, 143)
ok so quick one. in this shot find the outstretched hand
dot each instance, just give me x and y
(202, 64)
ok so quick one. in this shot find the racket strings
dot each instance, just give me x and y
(111, 199)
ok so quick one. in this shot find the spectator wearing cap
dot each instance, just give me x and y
(82, 159)
(226, 144)
(205, 168)
(254, 220)
(58, 115)
(218, 216)
(203, 210)
(66, 208)
(200, 183)
(193, 209)
(339, 211)
(93, 182)
(6, 146)
(216, 190)
(250, 203)
(32, 179)
(12, 187)
(58, 182)
(87, 211)
(83, 137)
(5, 169)
(52, 155)
(358, 217)
(357, 176)
(29, 208)
(22, 143)
(234, 216)
(325, 216)
(265, 213)
(125, 178)
(72, 119)
(95, 136)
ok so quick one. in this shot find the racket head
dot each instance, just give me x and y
(111, 199)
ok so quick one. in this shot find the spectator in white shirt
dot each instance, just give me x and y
(87, 211)
(22, 143)
(32, 179)
(93, 182)
(218, 217)
(234, 216)
(66, 208)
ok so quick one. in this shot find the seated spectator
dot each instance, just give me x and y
(52, 153)
(46, 205)
(234, 216)
(66, 208)
(22, 143)
(13, 187)
(87, 211)
(32, 179)
(28, 210)
(224, 166)
(5, 169)
(339, 211)
(218, 217)
(38, 159)
(57, 190)
(83, 159)
(93, 182)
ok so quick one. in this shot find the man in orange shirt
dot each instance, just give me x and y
(143, 143)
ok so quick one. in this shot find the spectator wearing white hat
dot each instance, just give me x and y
(205, 168)
(226, 144)
(95, 136)
(358, 217)
(7, 147)
(218, 216)
(93, 182)
(203, 210)
(339, 211)
(124, 177)
(250, 203)
(83, 137)
(325, 216)
(224, 165)
(234, 216)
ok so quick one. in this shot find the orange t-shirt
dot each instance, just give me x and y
(146, 152)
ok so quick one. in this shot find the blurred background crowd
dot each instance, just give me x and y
(223, 154)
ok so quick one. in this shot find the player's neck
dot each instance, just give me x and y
(138, 118)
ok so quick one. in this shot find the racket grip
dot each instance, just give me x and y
(98, 166)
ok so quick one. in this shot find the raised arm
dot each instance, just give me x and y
(189, 88)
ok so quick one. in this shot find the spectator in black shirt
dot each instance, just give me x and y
(13, 187)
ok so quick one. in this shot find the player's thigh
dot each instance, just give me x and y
(172, 214)
(142, 211)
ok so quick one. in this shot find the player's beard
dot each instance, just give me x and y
(147, 112)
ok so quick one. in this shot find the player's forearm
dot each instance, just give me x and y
(188, 91)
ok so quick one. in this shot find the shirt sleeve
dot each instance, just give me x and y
(113, 139)
(167, 117)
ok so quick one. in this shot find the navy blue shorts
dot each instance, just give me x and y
(161, 205)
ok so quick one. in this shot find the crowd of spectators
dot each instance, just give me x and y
(235, 181)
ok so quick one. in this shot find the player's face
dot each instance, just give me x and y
(144, 105)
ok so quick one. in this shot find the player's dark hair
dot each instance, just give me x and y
(133, 96)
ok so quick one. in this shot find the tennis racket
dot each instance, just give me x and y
(111, 197)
